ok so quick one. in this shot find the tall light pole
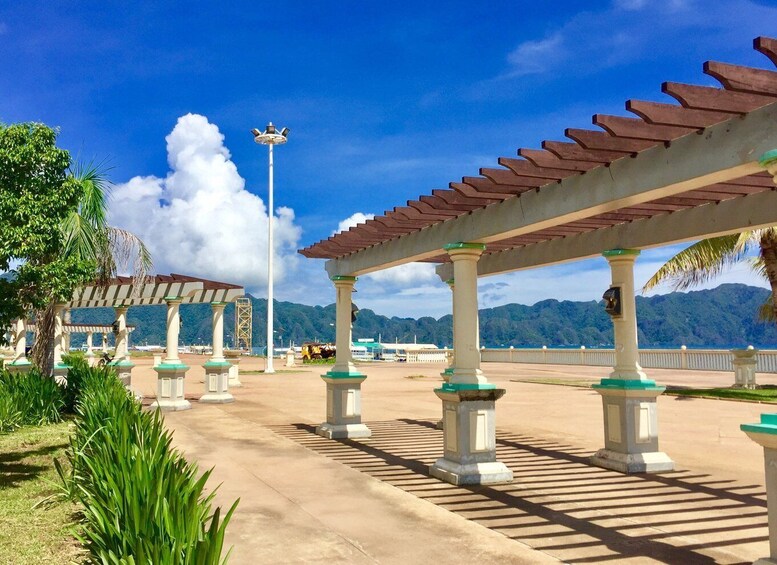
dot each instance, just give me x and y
(270, 137)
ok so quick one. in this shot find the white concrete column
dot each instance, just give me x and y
(59, 369)
(765, 434)
(625, 325)
(630, 412)
(218, 331)
(343, 382)
(217, 368)
(67, 318)
(171, 373)
(20, 340)
(121, 337)
(344, 291)
(20, 363)
(468, 399)
(58, 334)
(173, 328)
(466, 335)
(105, 343)
(89, 344)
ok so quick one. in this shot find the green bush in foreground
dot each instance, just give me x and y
(29, 399)
(143, 502)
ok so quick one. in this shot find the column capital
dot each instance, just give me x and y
(343, 278)
(465, 251)
(173, 299)
(463, 245)
(218, 304)
(769, 162)
(611, 253)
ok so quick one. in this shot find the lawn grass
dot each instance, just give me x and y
(764, 394)
(42, 534)
(562, 382)
(751, 395)
(261, 372)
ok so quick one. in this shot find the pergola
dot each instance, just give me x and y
(173, 290)
(675, 172)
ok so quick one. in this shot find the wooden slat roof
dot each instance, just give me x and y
(123, 291)
(744, 90)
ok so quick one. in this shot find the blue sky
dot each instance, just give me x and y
(385, 101)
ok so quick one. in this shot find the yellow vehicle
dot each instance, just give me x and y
(317, 351)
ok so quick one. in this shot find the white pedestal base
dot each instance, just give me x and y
(166, 405)
(343, 431)
(652, 462)
(491, 473)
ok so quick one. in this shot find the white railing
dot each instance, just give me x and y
(691, 359)
(427, 356)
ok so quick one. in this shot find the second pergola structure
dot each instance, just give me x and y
(675, 172)
(173, 291)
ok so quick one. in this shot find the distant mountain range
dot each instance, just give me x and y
(726, 316)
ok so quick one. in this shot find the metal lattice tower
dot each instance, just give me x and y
(243, 326)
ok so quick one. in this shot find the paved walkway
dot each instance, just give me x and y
(305, 499)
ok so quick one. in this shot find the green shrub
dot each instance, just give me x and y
(10, 415)
(143, 502)
(38, 398)
(78, 372)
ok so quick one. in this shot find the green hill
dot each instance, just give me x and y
(722, 317)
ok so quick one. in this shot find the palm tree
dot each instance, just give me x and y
(87, 236)
(707, 258)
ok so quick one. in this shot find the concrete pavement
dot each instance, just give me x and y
(305, 499)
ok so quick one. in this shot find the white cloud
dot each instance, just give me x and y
(405, 275)
(200, 220)
(354, 219)
(631, 31)
(536, 56)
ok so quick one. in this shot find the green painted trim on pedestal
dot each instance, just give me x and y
(62, 366)
(348, 278)
(463, 245)
(19, 363)
(448, 371)
(217, 364)
(768, 425)
(628, 384)
(455, 387)
(171, 367)
(121, 363)
(619, 252)
(767, 158)
(343, 375)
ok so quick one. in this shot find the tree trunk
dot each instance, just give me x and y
(769, 256)
(42, 351)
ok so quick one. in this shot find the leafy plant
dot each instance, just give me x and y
(143, 502)
(37, 398)
(10, 415)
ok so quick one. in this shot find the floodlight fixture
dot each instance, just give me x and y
(270, 136)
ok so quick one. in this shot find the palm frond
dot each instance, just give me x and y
(79, 237)
(96, 190)
(129, 253)
(700, 262)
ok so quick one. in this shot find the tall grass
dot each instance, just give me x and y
(143, 502)
(29, 399)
